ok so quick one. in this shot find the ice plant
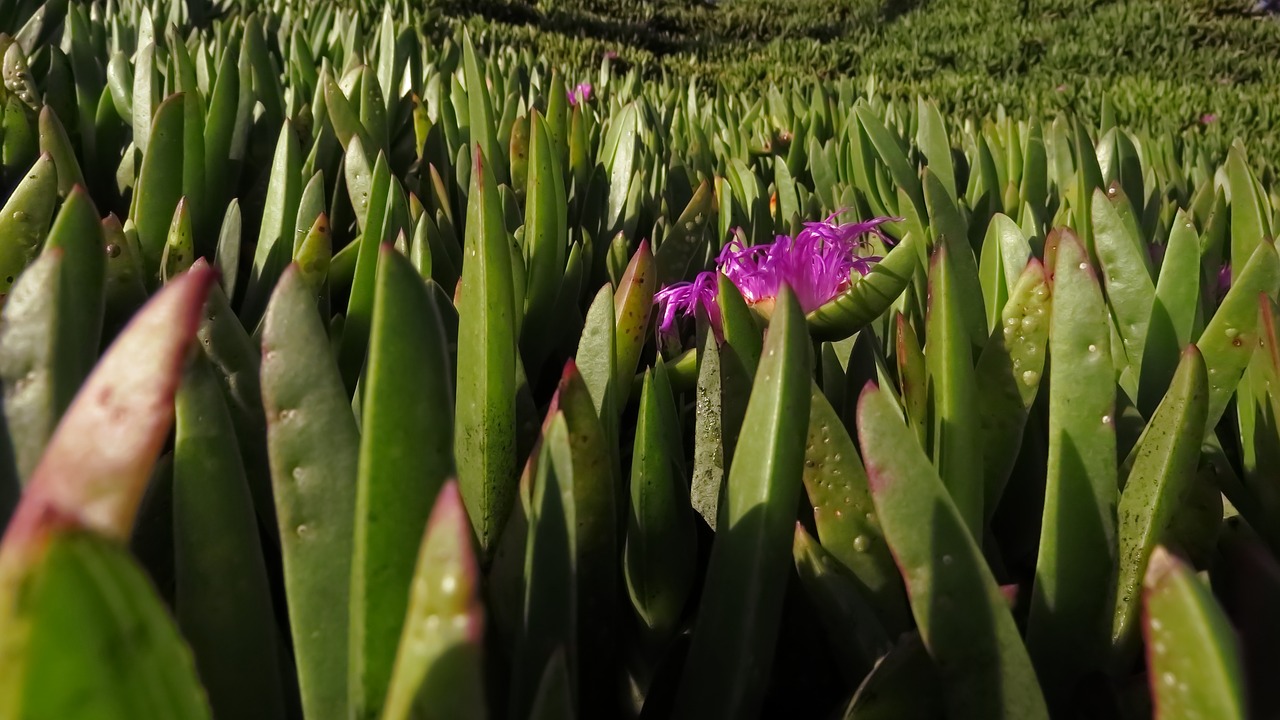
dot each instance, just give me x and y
(818, 263)
(580, 94)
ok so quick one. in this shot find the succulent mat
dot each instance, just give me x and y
(354, 367)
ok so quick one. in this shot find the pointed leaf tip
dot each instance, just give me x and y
(100, 457)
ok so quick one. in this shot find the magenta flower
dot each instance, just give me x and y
(1224, 279)
(817, 264)
(685, 298)
(580, 94)
(1208, 118)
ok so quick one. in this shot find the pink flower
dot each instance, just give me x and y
(819, 263)
(580, 94)
(685, 298)
(1208, 119)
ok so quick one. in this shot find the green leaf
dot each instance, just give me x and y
(1228, 342)
(314, 447)
(24, 221)
(902, 684)
(159, 183)
(545, 242)
(632, 305)
(1164, 469)
(950, 229)
(179, 246)
(485, 414)
(658, 559)
(733, 641)
(223, 595)
(681, 252)
(279, 212)
(550, 612)
(738, 324)
(1066, 632)
(355, 337)
(50, 329)
(931, 137)
(869, 296)
(857, 638)
(956, 433)
(483, 128)
(593, 539)
(1249, 224)
(438, 667)
(88, 599)
(1192, 655)
(962, 616)
(844, 514)
(1008, 378)
(55, 143)
(1173, 313)
(1130, 292)
(406, 454)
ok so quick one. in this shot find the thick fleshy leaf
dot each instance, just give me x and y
(948, 354)
(733, 641)
(313, 446)
(658, 562)
(963, 618)
(844, 513)
(1067, 628)
(485, 419)
(24, 221)
(223, 595)
(406, 455)
(439, 669)
(868, 297)
(1164, 469)
(1008, 377)
(1191, 647)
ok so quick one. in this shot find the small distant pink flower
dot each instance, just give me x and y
(1224, 279)
(610, 55)
(580, 94)
(817, 264)
(1208, 119)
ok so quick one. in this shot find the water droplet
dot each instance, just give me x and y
(1159, 648)
(113, 250)
(947, 559)
(862, 543)
(1093, 348)
(302, 530)
(839, 514)
(1169, 679)
(1106, 419)
(1231, 333)
(1084, 266)
(1030, 377)
(298, 474)
(19, 216)
(1155, 624)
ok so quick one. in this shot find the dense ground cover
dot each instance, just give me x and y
(1163, 65)
(357, 366)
